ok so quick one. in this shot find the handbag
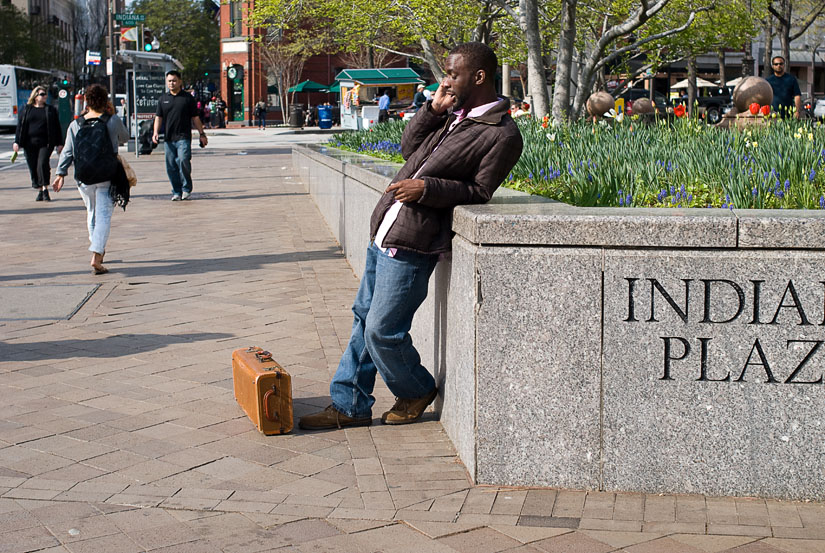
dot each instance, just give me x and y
(130, 173)
(119, 189)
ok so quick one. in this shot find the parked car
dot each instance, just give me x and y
(630, 95)
(713, 103)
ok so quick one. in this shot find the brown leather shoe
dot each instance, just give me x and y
(406, 411)
(331, 418)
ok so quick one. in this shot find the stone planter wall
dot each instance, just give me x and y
(646, 350)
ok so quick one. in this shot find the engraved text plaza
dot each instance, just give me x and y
(722, 301)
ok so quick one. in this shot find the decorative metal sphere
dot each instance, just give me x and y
(599, 103)
(750, 90)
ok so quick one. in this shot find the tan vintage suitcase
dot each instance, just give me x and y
(263, 389)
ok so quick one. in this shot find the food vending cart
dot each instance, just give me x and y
(359, 87)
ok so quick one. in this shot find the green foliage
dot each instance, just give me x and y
(382, 140)
(22, 43)
(682, 163)
(729, 24)
(676, 163)
(185, 30)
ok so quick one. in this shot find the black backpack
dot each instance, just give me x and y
(94, 159)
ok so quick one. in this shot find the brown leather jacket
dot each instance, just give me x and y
(467, 167)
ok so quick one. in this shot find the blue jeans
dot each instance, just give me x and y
(179, 165)
(391, 291)
(99, 207)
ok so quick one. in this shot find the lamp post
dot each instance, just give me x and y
(111, 64)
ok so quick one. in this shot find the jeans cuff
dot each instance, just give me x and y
(349, 412)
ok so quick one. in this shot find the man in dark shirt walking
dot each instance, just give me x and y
(179, 111)
(786, 93)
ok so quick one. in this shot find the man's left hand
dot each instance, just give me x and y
(407, 190)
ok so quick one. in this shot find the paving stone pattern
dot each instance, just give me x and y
(119, 431)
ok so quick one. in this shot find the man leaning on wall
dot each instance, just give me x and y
(459, 147)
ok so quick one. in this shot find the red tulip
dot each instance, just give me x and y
(679, 111)
(766, 110)
(754, 108)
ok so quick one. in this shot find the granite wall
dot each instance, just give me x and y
(616, 349)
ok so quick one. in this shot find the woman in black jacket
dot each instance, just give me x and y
(38, 133)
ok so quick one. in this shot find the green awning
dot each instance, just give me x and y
(336, 87)
(387, 76)
(432, 88)
(308, 86)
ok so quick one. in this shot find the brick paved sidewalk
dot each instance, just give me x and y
(119, 431)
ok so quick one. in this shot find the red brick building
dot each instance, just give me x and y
(242, 77)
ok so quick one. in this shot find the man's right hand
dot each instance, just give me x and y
(155, 138)
(442, 101)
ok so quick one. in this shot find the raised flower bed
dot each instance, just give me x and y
(680, 162)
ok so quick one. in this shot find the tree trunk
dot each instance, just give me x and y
(722, 80)
(536, 78)
(567, 37)
(785, 33)
(522, 76)
(766, 71)
(691, 67)
(432, 60)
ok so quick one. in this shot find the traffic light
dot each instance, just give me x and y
(150, 42)
(64, 82)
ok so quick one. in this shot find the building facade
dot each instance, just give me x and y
(242, 76)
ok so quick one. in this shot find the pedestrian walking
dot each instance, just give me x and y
(207, 115)
(179, 111)
(220, 108)
(91, 144)
(122, 111)
(384, 107)
(260, 114)
(38, 133)
(459, 147)
(787, 98)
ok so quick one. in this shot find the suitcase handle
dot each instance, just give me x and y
(270, 416)
(263, 356)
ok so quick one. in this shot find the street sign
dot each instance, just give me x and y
(92, 58)
(130, 19)
(148, 88)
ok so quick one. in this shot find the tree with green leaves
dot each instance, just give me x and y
(22, 42)
(729, 24)
(790, 19)
(185, 30)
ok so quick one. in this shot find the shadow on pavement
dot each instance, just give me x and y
(107, 347)
(166, 267)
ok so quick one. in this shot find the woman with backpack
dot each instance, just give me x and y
(91, 144)
(38, 133)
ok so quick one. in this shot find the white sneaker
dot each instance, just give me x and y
(175, 198)
(186, 195)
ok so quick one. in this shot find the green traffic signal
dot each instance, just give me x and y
(148, 46)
